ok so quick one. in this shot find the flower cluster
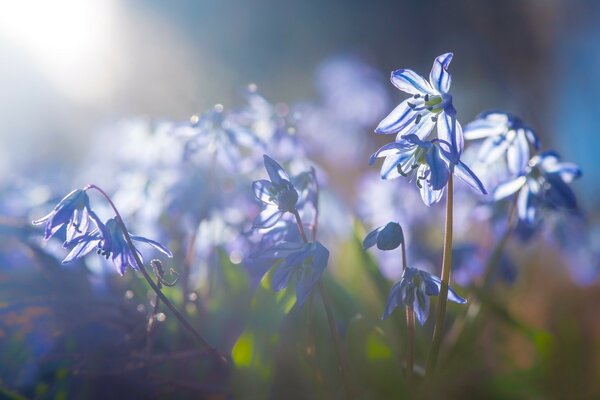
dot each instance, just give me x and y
(86, 232)
(423, 157)
(296, 258)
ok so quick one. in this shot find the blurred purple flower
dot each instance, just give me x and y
(73, 211)
(110, 242)
(504, 133)
(542, 184)
(414, 290)
(277, 194)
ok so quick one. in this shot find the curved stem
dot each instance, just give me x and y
(438, 331)
(153, 285)
(330, 320)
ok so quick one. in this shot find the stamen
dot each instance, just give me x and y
(434, 118)
(416, 96)
(411, 105)
(418, 119)
(399, 168)
(426, 97)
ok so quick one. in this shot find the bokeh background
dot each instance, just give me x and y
(70, 71)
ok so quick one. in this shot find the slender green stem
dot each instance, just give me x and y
(410, 327)
(342, 365)
(153, 285)
(438, 331)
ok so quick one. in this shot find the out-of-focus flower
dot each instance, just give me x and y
(469, 262)
(110, 242)
(414, 290)
(302, 262)
(73, 211)
(504, 133)
(544, 183)
(386, 237)
(425, 162)
(216, 134)
(278, 194)
(429, 106)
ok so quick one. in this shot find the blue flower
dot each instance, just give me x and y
(109, 241)
(216, 132)
(504, 133)
(428, 163)
(429, 106)
(387, 237)
(302, 262)
(544, 183)
(414, 290)
(279, 195)
(73, 211)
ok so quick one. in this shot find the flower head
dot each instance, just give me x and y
(73, 211)
(542, 184)
(386, 237)
(504, 133)
(414, 290)
(429, 106)
(302, 262)
(110, 242)
(278, 194)
(428, 163)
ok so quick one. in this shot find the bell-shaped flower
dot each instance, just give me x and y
(413, 290)
(427, 163)
(74, 212)
(386, 237)
(504, 134)
(429, 106)
(302, 263)
(109, 241)
(277, 194)
(543, 184)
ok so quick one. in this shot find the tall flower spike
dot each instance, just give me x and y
(430, 105)
(544, 183)
(413, 290)
(74, 212)
(109, 241)
(504, 133)
(277, 194)
(427, 163)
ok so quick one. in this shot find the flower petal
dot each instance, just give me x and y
(421, 305)
(439, 77)
(450, 131)
(453, 296)
(466, 175)
(399, 118)
(390, 236)
(155, 244)
(438, 169)
(264, 191)
(410, 82)
(509, 187)
(267, 217)
(517, 154)
(393, 300)
(275, 171)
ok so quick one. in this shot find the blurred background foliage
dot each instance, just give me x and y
(72, 71)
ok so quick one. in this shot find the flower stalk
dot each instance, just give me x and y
(339, 351)
(438, 331)
(153, 285)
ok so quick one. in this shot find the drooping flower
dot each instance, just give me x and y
(109, 241)
(504, 133)
(73, 211)
(429, 106)
(544, 183)
(277, 194)
(428, 163)
(413, 290)
(386, 237)
(303, 263)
